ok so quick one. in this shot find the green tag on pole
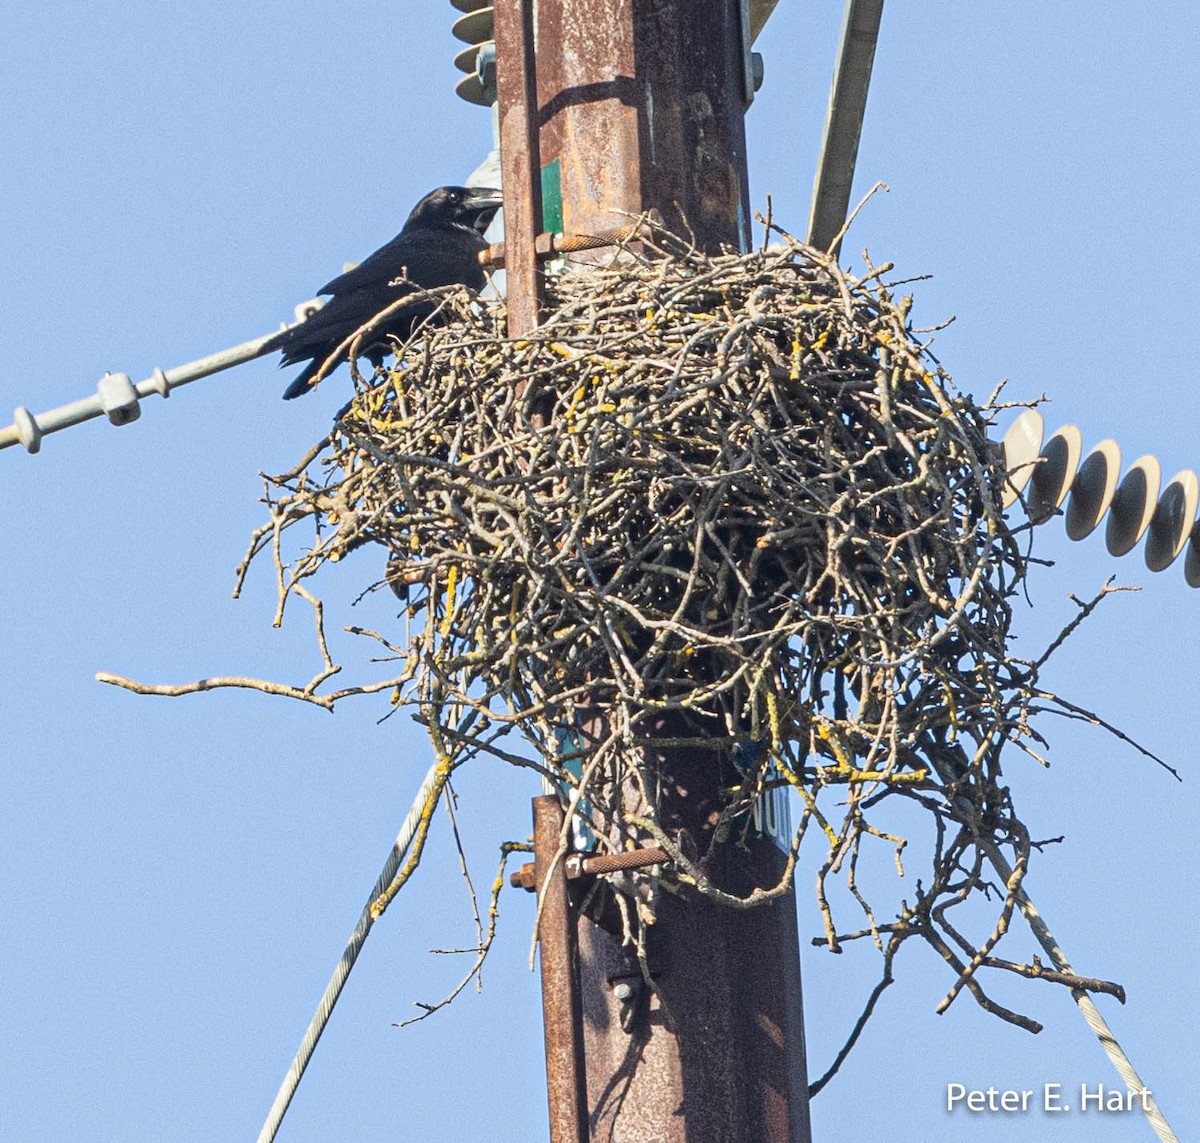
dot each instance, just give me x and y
(552, 209)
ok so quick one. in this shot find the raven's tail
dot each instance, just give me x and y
(303, 384)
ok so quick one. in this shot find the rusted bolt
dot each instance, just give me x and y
(523, 878)
(551, 245)
(581, 864)
(628, 859)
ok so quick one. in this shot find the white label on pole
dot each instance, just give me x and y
(772, 816)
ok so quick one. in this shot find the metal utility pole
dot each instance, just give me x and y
(639, 107)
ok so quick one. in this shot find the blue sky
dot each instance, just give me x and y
(178, 876)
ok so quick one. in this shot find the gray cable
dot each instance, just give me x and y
(1087, 1005)
(354, 945)
(118, 398)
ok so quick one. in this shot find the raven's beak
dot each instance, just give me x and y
(482, 202)
(482, 198)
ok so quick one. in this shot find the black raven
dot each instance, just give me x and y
(439, 246)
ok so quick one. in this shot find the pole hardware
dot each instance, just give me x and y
(578, 865)
(562, 1010)
(520, 160)
(843, 123)
(624, 989)
(548, 245)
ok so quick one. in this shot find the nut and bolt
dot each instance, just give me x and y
(580, 865)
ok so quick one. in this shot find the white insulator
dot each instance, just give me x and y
(1048, 474)
(1173, 520)
(1191, 562)
(305, 310)
(1020, 446)
(1053, 476)
(1093, 490)
(475, 29)
(1133, 505)
(465, 60)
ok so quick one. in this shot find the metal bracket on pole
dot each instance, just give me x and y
(561, 1006)
(843, 122)
(520, 159)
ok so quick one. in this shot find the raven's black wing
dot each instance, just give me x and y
(430, 255)
(420, 256)
(343, 316)
(387, 262)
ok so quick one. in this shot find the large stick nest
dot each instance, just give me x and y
(735, 487)
(732, 500)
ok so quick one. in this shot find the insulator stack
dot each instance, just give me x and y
(475, 28)
(1043, 475)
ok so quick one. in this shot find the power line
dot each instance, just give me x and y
(418, 815)
(118, 398)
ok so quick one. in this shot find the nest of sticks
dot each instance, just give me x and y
(725, 502)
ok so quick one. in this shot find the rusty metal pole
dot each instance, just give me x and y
(640, 108)
(520, 161)
(561, 1011)
(719, 1058)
